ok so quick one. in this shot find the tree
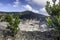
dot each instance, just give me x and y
(16, 25)
(13, 23)
(54, 12)
(9, 18)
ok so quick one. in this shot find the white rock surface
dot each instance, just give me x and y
(28, 25)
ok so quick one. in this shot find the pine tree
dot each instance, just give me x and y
(54, 12)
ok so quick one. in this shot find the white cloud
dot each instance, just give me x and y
(40, 2)
(43, 11)
(40, 11)
(43, 3)
(29, 8)
(36, 11)
(16, 3)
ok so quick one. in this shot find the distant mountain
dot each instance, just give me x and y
(27, 15)
(32, 15)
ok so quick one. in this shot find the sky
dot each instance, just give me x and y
(37, 6)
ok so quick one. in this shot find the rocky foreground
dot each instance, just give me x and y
(28, 35)
(31, 35)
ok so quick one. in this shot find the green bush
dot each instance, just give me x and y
(13, 23)
(54, 12)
